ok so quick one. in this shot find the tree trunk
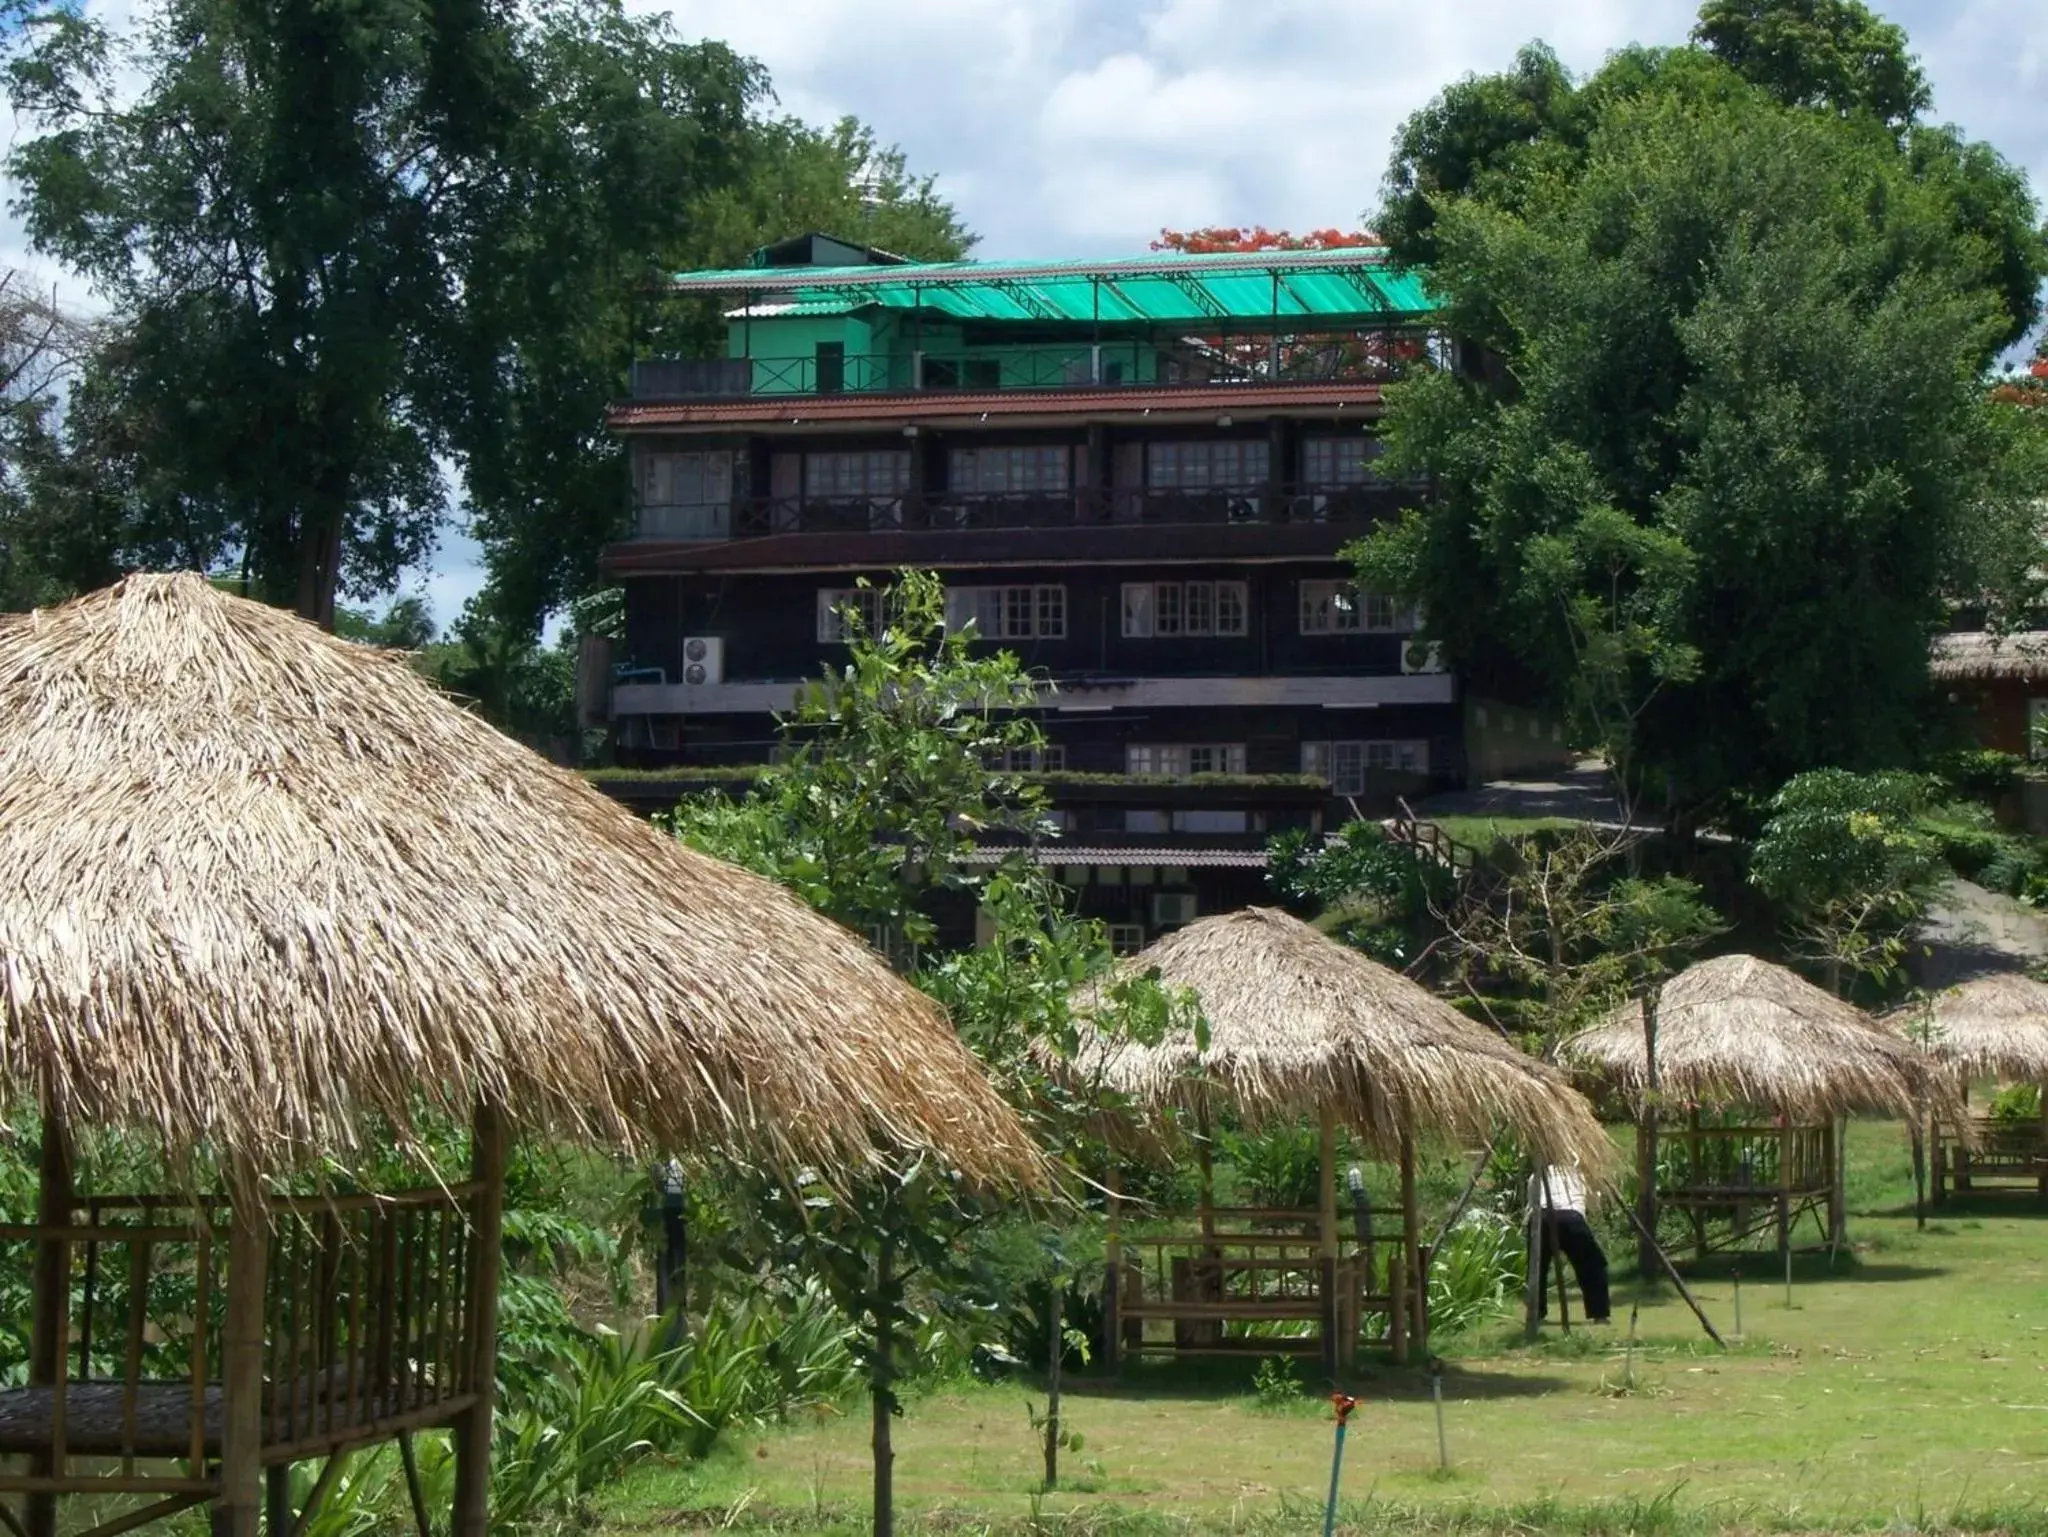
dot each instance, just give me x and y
(319, 549)
(1646, 1146)
(882, 1380)
(1056, 1358)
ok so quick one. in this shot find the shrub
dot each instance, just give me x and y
(1279, 1166)
(1481, 1263)
(1981, 773)
(2017, 1102)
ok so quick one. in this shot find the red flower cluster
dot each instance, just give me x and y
(1223, 237)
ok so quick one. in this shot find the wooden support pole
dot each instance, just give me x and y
(486, 1245)
(1696, 1179)
(241, 1353)
(1646, 1144)
(1206, 1161)
(1335, 1352)
(1411, 1248)
(50, 1300)
(1838, 1181)
(1113, 1265)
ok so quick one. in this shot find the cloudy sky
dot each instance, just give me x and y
(1081, 127)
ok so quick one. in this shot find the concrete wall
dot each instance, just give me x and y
(1505, 741)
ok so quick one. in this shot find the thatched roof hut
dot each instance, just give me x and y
(1990, 1027)
(1736, 1030)
(1980, 656)
(1298, 1022)
(257, 883)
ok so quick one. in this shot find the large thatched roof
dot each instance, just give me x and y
(1990, 1027)
(1977, 655)
(1297, 1020)
(256, 881)
(1739, 1031)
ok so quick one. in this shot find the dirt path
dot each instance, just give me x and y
(1970, 931)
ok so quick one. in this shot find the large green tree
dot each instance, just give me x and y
(1725, 452)
(360, 252)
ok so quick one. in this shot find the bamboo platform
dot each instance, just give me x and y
(2007, 1155)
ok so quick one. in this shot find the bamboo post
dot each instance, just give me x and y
(1646, 1144)
(486, 1242)
(1838, 1181)
(1411, 1248)
(241, 1447)
(1336, 1352)
(1113, 1265)
(1785, 1188)
(1205, 1160)
(1698, 1214)
(50, 1306)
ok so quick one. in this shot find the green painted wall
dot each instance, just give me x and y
(878, 355)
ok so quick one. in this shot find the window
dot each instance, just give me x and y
(874, 472)
(1126, 938)
(1345, 764)
(1049, 759)
(1339, 608)
(1340, 461)
(1184, 608)
(1198, 821)
(995, 470)
(1213, 466)
(836, 604)
(685, 496)
(1181, 760)
(1136, 821)
(1009, 613)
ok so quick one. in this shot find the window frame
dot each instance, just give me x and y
(997, 610)
(870, 601)
(1147, 604)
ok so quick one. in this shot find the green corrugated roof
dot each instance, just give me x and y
(1162, 287)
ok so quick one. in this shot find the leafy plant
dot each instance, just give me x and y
(1279, 1166)
(1475, 1271)
(1276, 1383)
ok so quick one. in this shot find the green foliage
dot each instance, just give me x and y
(1475, 1271)
(1981, 773)
(1849, 861)
(1276, 1384)
(2017, 1102)
(1278, 1166)
(1832, 54)
(1685, 297)
(1372, 893)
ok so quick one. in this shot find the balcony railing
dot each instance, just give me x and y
(1243, 360)
(1087, 507)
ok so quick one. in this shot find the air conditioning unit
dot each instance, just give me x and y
(703, 660)
(1173, 909)
(1422, 656)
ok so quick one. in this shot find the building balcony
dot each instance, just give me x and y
(1084, 507)
(1369, 357)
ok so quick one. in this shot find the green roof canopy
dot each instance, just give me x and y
(1343, 285)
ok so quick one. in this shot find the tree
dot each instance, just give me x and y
(882, 793)
(1738, 346)
(1818, 53)
(1225, 237)
(1843, 858)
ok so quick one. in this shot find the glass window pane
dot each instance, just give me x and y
(1166, 613)
(1137, 609)
(1230, 608)
(1199, 608)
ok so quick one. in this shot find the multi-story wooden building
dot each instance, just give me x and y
(1137, 475)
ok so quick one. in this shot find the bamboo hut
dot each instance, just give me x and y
(1300, 1025)
(261, 888)
(1736, 1033)
(1992, 1027)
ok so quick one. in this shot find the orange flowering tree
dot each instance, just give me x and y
(1223, 237)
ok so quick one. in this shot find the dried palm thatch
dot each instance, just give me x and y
(257, 883)
(1979, 655)
(1739, 1031)
(1297, 1021)
(1989, 1027)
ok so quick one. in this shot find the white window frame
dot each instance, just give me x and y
(1037, 612)
(853, 474)
(832, 603)
(1049, 759)
(1346, 764)
(1208, 464)
(1339, 608)
(686, 493)
(1183, 760)
(1347, 461)
(1171, 609)
(1125, 938)
(985, 471)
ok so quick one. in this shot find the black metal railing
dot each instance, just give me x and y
(1192, 362)
(757, 517)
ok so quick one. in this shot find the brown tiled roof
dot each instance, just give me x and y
(889, 549)
(952, 406)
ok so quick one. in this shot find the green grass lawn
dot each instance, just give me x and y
(1907, 1389)
(1487, 832)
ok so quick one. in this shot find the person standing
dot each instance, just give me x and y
(1557, 1194)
